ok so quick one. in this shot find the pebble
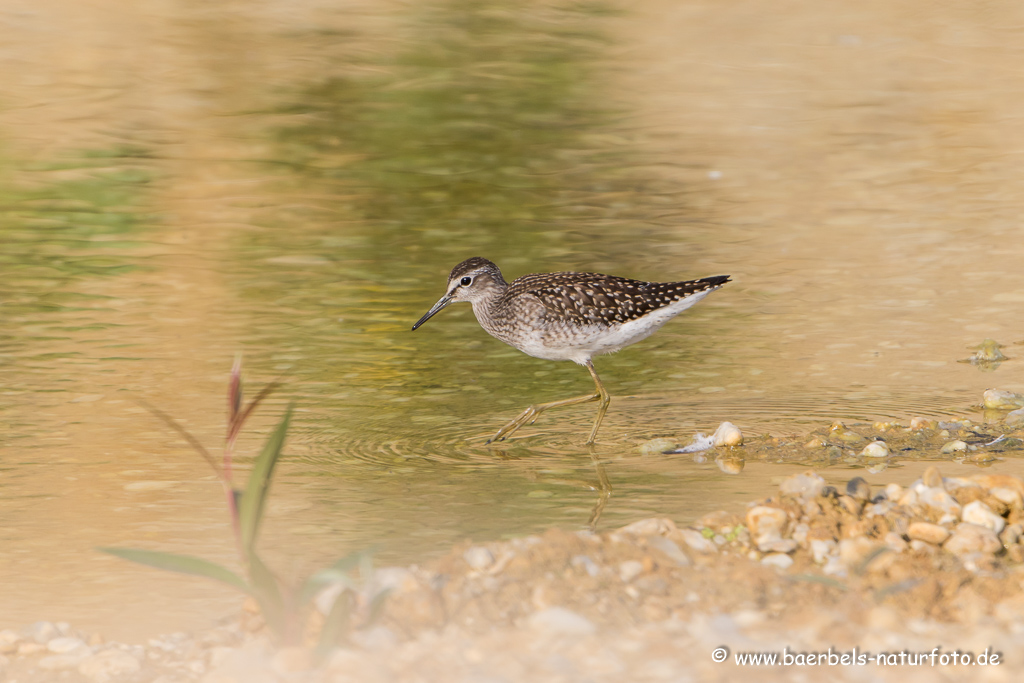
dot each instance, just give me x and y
(938, 499)
(971, 538)
(805, 486)
(996, 399)
(41, 632)
(696, 541)
(670, 549)
(976, 512)
(780, 560)
(858, 488)
(559, 620)
(478, 557)
(9, 640)
(1015, 418)
(766, 523)
(954, 446)
(728, 434)
(876, 449)
(821, 549)
(630, 569)
(919, 423)
(66, 645)
(927, 532)
(932, 478)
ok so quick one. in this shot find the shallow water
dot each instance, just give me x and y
(180, 185)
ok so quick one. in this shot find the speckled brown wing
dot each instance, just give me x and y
(595, 299)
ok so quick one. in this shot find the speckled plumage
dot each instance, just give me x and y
(568, 316)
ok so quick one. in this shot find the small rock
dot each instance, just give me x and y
(875, 449)
(657, 446)
(859, 489)
(28, 648)
(893, 491)
(478, 557)
(782, 545)
(821, 549)
(66, 645)
(780, 560)
(1015, 418)
(932, 478)
(670, 549)
(8, 641)
(816, 442)
(806, 486)
(938, 499)
(954, 447)
(41, 632)
(996, 399)
(629, 570)
(560, 620)
(922, 423)
(1009, 496)
(927, 532)
(587, 564)
(1011, 535)
(696, 541)
(766, 523)
(652, 526)
(976, 512)
(971, 538)
(895, 542)
(728, 434)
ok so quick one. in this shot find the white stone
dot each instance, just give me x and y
(66, 645)
(9, 640)
(876, 449)
(478, 557)
(822, 549)
(780, 560)
(954, 447)
(41, 632)
(938, 499)
(766, 523)
(728, 434)
(971, 538)
(806, 486)
(976, 512)
(997, 399)
(630, 569)
(696, 541)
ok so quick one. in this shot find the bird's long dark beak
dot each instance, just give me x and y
(444, 301)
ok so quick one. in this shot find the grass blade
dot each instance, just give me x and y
(183, 564)
(267, 592)
(193, 441)
(250, 509)
(335, 625)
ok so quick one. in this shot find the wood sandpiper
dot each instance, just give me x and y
(568, 316)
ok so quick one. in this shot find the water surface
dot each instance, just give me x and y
(181, 185)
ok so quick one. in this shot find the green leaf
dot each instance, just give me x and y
(251, 505)
(183, 564)
(267, 592)
(335, 625)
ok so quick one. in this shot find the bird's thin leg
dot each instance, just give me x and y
(530, 415)
(605, 399)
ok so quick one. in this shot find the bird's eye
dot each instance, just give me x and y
(466, 281)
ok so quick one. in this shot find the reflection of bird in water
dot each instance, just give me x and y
(568, 316)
